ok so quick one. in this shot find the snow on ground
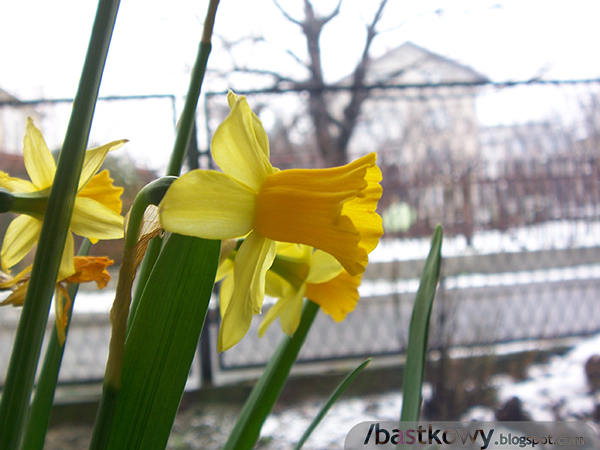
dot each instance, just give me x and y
(557, 390)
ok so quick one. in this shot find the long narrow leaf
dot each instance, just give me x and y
(34, 317)
(330, 402)
(41, 406)
(419, 332)
(246, 431)
(161, 343)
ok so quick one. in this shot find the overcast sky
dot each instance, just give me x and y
(43, 43)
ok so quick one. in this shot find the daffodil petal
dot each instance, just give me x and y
(323, 267)
(271, 315)
(17, 296)
(289, 319)
(15, 184)
(67, 263)
(253, 259)
(240, 146)
(20, 237)
(288, 309)
(225, 269)
(209, 205)
(95, 221)
(276, 286)
(336, 297)
(101, 188)
(38, 160)
(294, 252)
(225, 293)
(259, 131)
(12, 281)
(94, 158)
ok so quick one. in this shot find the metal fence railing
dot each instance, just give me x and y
(519, 200)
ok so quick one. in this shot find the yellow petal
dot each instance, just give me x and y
(91, 268)
(209, 205)
(337, 297)
(67, 264)
(15, 184)
(276, 286)
(17, 296)
(307, 206)
(12, 281)
(38, 160)
(225, 269)
(294, 252)
(323, 267)
(288, 309)
(289, 319)
(20, 237)
(62, 310)
(101, 189)
(362, 211)
(95, 221)
(225, 293)
(253, 259)
(240, 146)
(94, 158)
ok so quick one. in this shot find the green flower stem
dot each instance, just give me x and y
(33, 204)
(6, 200)
(151, 194)
(186, 121)
(34, 316)
(182, 139)
(41, 406)
(246, 431)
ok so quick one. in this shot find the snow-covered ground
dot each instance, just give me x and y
(557, 390)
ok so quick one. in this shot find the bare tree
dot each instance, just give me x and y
(332, 134)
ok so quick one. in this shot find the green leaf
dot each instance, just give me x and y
(162, 341)
(416, 352)
(330, 402)
(246, 431)
(41, 406)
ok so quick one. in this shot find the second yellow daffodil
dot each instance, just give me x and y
(333, 210)
(299, 271)
(96, 214)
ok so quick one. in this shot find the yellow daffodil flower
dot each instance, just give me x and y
(332, 210)
(87, 269)
(96, 214)
(300, 271)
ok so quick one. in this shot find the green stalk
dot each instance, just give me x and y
(34, 317)
(41, 406)
(182, 139)
(186, 121)
(246, 431)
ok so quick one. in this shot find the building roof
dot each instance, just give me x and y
(410, 64)
(6, 97)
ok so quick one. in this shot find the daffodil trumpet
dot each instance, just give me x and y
(333, 210)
